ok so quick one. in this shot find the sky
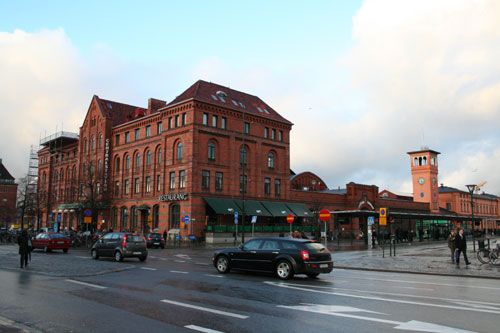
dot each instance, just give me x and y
(363, 82)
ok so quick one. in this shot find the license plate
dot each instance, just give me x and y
(60, 242)
(323, 266)
(157, 243)
(137, 252)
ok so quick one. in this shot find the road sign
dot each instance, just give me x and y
(290, 218)
(235, 217)
(382, 218)
(185, 219)
(59, 217)
(254, 219)
(371, 220)
(324, 215)
(87, 219)
(87, 212)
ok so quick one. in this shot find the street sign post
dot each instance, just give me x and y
(290, 219)
(382, 218)
(371, 220)
(324, 215)
(254, 220)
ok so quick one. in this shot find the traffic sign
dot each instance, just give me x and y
(58, 217)
(235, 217)
(87, 219)
(382, 218)
(371, 220)
(87, 212)
(290, 218)
(185, 219)
(254, 219)
(324, 215)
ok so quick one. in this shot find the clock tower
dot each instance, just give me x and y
(424, 171)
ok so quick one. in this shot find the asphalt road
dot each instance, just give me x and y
(180, 291)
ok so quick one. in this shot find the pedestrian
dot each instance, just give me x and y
(461, 247)
(296, 234)
(23, 248)
(451, 244)
(374, 238)
(165, 235)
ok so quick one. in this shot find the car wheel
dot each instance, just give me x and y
(94, 254)
(143, 258)
(118, 256)
(312, 275)
(65, 250)
(162, 246)
(284, 270)
(222, 264)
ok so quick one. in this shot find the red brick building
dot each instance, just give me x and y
(8, 196)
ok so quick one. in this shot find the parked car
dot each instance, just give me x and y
(51, 241)
(282, 256)
(155, 240)
(120, 245)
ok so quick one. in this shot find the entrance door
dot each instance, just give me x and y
(175, 216)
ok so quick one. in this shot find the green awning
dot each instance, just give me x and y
(223, 206)
(253, 207)
(277, 208)
(74, 205)
(300, 209)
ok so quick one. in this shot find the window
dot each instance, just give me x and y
(223, 123)
(158, 128)
(85, 146)
(214, 121)
(100, 141)
(172, 180)
(205, 119)
(99, 166)
(92, 168)
(267, 186)
(127, 162)
(127, 186)
(177, 121)
(243, 184)
(117, 188)
(148, 184)
(156, 216)
(149, 156)
(211, 151)
(273, 134)
(114, 218)
(136, 186)
(184, 119)
(97, 186)
(179, 151)
(138, 161)
(170, 125)
(148, 131)
(280, 135)
(137, 134)
(93, 143)
(266, 132)
(243, 155)
(205, 179)
(159, 156)
(127, 137)
(277, 187)
(246, 128)
(182, 179)
(117, 165)
(270, 160)
(218, 181)
(124, 218)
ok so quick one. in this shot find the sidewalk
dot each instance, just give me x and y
(419, 258)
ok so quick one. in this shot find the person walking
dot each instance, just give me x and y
(451, 244)
(23, 247)
(461, 247)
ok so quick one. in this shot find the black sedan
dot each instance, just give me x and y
(155, 240)
(282, 256)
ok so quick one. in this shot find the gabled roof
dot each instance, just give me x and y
(119, 113)
(229, 98)
(447, 189)
(4, 173)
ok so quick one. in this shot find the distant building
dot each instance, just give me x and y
(8, 196)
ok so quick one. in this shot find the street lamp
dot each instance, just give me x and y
(471, 189)
(244, 186)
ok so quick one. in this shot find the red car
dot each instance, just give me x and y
(51, 241)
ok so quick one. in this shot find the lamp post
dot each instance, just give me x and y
(244, 186)
(471, 189)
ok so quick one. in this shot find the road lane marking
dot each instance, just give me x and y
(213, 275)
(179, 272)
(86, 284)
(152, 257)
(201, 308)
(338, 311)
(149, 269)
(163, 259)
(201, 263)
(202, 329)
(376, 298)
(83, 257)
(179, 261)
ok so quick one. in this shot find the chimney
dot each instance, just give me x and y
(155, 104)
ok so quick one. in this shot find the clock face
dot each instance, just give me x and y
(421, 181)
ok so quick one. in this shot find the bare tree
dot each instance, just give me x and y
(27, 200)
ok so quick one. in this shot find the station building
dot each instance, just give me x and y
(8, 196)
(197, 164)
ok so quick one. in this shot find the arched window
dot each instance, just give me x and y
(156, 216)
(62, 175)
(85, 145)
(415, 161)
(179, 151)
(138, 161)
(211, 151)
(92, 168)
(99, 166)
(175, 214)
(100, 141)
(243, 155)
(68, 174)
(133, 220)
(56, 177)
(424, 161)
(127, 162)
(159, 156)
(124, 219)
(117, 165)
(149, 154)
(270, 160)
(93, 143)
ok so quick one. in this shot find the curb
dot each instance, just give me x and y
(415, 272)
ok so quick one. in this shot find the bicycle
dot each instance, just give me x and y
(492, 256)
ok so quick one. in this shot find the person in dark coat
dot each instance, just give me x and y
(461, 247)
(165, 235)
(23, 248)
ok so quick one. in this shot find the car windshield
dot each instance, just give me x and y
(315, 246)
(57, 236)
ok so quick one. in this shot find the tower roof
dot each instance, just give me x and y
(424, 150)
